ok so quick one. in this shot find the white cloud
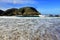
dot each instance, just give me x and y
(5, 4)
(19, 1)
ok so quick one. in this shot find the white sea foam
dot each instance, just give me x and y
(29, 28)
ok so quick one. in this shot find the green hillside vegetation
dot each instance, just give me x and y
(29, 11)
(11, 12)
(25, 11)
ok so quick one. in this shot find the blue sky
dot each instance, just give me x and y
(43, 6)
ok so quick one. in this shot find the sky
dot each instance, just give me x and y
(43, 6)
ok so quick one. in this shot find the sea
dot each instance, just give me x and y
(29, 28)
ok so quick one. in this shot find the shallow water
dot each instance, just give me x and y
(29, 28)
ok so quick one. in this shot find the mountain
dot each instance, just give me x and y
(1, 12)
(11, 12)
(24, 11)
(29, 11)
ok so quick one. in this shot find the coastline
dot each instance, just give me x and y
(28, 17)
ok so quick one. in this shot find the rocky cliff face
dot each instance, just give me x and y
(18, 28)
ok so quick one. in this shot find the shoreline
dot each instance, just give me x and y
(16, 17)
